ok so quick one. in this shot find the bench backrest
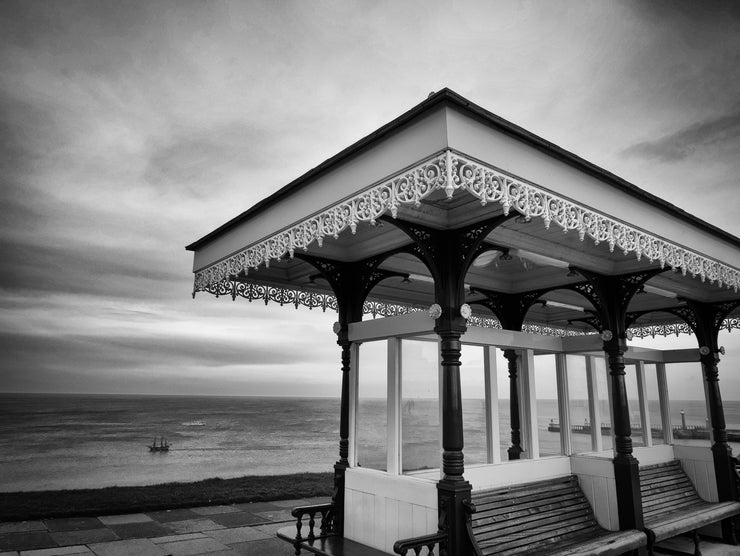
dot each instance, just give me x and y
(664, 488)
(526, 519)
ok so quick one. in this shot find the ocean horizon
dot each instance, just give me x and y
(76, 441)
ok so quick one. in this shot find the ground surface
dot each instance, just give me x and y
(236, 529)
(230, 529)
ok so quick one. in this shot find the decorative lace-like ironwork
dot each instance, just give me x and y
(450, 172)
(253, 291)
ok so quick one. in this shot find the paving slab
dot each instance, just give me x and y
(192, 526)
(211, 510)
(194, 546)
(73, 524)
(290, 504)
(254, 507)
(267, 547)
(166, 516)
(708, 548)
(123, 519)
(237, 519)
(66, 538)
(21, 527)
(139, 530)
(237, 534)
(129, 547)
(271, 529)
(26, 541)
(78, 550)
(173, 538)
(277, 515)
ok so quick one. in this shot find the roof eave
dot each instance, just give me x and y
(453, 99)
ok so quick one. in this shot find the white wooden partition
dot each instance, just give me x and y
(490, 376)
(380, 508)
(594, 405)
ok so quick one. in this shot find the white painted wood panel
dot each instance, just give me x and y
(509, 473)
(594, 407)
(649, 455)
(393, 425)
(698, 463)
(561, 375)
(596, 477)
(383, 508)
(490, 373)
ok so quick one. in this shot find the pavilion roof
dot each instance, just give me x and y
(449, 164)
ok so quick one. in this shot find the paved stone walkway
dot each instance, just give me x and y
(238, 529)
(245, 529)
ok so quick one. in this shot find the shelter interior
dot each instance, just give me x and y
(479, 274)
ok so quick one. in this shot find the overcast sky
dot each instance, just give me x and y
(130, 129)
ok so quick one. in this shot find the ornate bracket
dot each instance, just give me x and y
(610, 296)
(351, 282)
(448, 255)
(510, 309)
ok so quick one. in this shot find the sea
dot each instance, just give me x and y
(64, 441)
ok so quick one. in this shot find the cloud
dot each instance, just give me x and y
(718, 132)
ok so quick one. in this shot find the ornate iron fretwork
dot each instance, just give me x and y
(253, 291)
(509, 308)
(451, 172)
(610, 296)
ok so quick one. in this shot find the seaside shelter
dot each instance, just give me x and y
(451, 231)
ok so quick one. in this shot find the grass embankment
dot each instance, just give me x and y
(17, 506)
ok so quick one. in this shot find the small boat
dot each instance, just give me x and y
(163, 445)
(194, 424)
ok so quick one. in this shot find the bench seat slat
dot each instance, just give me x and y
(551, 526)
(689, 519)
(671, 505)
(546, 517)
(504, 514)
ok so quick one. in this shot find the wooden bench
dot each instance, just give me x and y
(549, 517)
(319, 538)
(331, 545)
(671, 505)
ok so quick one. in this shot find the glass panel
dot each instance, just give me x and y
(633, 403)
(372, 416)
(656, 422)
(602, 378)
(580, 423)
(474, 405)
(420, 427)
(688, 406)
(546, 392)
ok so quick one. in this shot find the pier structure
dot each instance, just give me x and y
(451, 227)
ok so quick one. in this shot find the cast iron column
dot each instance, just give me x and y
(515, 450)
(610, 296)
(706, 320)
(626, 467)
(453, 490)
(448, 255)
(340, 467)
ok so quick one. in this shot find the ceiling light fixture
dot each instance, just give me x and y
(542, 260)
(563, 306)
(658, 291)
